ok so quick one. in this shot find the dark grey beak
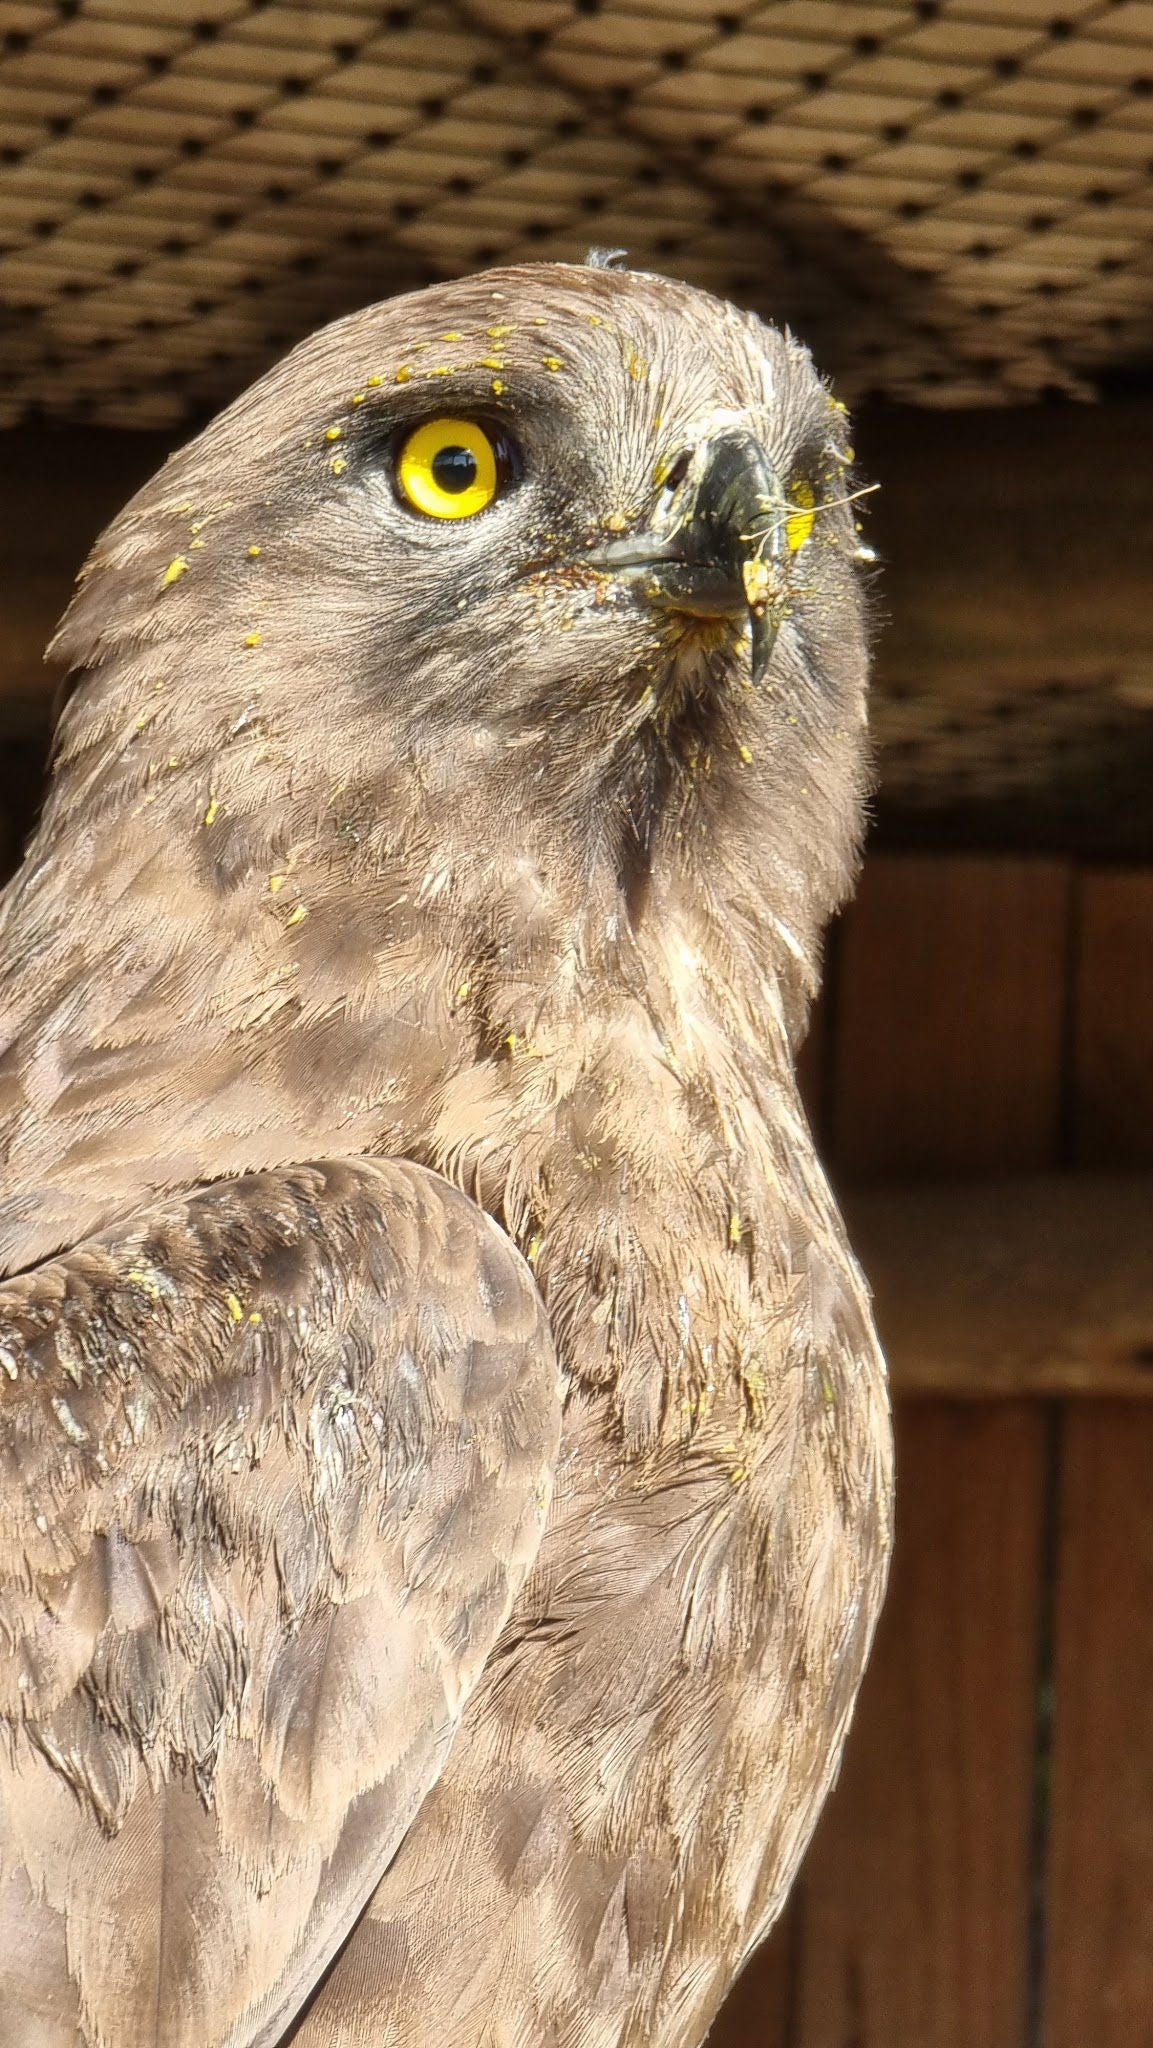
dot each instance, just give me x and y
(715, 547)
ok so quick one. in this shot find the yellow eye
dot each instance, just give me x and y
(799, 524)
(448, 469)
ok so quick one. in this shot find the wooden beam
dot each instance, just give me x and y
(1016, 546)
(1038, 1285)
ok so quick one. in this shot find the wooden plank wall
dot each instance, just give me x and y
(984, 1871)
(1100, 1870)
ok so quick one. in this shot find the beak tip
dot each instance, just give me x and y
(764, 635)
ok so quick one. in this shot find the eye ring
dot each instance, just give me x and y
(449, 468)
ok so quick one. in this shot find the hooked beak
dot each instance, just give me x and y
(718, 549)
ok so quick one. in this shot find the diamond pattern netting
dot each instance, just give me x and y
(953, 203)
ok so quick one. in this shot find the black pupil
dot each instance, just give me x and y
(454, 469)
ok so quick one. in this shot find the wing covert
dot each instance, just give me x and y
(275, 1458)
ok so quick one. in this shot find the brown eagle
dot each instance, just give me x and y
(446, 1456)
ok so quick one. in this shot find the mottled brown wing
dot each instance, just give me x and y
(275, 1459)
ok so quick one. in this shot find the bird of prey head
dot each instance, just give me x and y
(577, 540)
(493, 621)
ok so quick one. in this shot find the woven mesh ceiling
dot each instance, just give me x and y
(953, 203)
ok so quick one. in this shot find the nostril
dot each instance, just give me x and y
(679, 470)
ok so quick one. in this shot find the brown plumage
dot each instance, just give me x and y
(446, 1452)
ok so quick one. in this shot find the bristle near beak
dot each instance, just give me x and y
(720, 556)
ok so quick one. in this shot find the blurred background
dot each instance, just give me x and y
(954, 205)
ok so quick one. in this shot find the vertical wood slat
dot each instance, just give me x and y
(912, 1913)
(950, 1025)
(914, 1904)
(1099, 1936)
(1113, 1111)
(756, 2013)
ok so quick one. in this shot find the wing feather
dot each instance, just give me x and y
(276, 1460)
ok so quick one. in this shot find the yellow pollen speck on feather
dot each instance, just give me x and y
(756, 1391)
(374, 382)
(338, 465)
(275, 883)
(236, 1313)
(799, 524)
(552, 362)
(736, 1228)
(253, 550)
(745, 754)
(404, 374)
(299, 914)
(177, 568)
(145, 1281)
(497, 386)
(213, 811)
(254, 639)
(333, 433)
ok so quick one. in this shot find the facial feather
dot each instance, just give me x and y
(268, 602)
